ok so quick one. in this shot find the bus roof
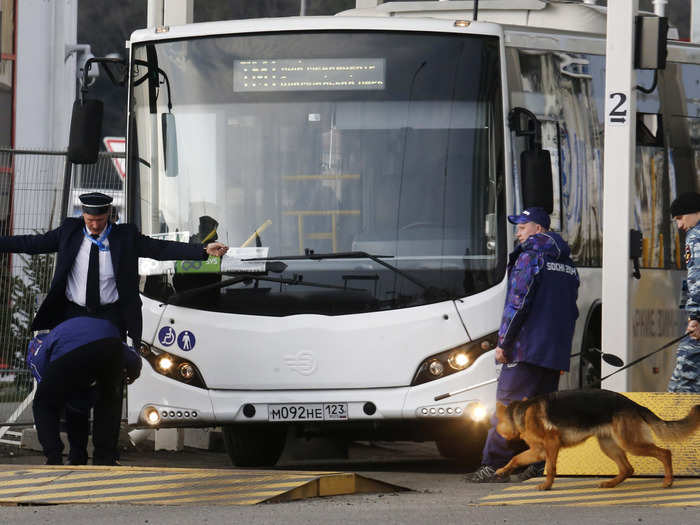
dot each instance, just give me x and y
(309, 23)
(582, 18)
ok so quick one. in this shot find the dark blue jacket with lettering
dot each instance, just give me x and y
(540, 311)
(72, 334)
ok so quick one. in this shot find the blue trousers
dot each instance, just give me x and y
(517, 380)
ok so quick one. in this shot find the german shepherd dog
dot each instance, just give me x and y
(563, 419)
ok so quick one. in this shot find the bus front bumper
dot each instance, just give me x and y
(179, 405)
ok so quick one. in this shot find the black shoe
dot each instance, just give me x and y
(486, 474)
(54, 461)
(536, 470)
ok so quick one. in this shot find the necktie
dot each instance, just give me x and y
(92, 291)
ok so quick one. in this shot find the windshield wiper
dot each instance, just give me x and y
(177, 298)
(347, 255)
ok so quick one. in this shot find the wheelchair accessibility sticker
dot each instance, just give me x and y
(166, 336)
(186, 340)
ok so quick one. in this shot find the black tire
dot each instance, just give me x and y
(254, 445)
(464, 444)
(590, 358)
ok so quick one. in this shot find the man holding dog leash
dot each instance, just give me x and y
(534, 341)
(685, 210)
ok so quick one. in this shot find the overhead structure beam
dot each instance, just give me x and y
(169, 12)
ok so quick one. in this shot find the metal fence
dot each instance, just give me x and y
(35, 188)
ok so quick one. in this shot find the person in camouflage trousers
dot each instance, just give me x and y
(685, 210)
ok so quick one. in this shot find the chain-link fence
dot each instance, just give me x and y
(32, 200)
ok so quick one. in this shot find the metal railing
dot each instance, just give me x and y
(36, 189)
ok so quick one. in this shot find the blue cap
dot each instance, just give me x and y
(537, 215)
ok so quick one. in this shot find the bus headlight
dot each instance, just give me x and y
(151, 415)
(458, 359)
(164, 363)
(172, 366)
(436, 368)
(477, 412)
(186, 371)
(453, 360)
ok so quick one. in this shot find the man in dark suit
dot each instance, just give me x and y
(97, 266)
(97, 270)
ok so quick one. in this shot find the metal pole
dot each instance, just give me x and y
(154, 13)
(178, 12)
(67, 172)
(618, 184)
(660, 7)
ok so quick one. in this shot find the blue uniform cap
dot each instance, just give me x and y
(95, 203)
(537, 215)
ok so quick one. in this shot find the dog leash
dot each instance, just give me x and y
(466, 389)
(664, 347)
(472, 387)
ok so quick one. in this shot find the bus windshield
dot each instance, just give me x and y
(285, 145)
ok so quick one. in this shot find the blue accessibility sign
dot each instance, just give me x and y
(166, 335)
(186, 340)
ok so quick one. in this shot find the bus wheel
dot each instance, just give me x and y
(254, 445)
(589, 361)
(464, 445)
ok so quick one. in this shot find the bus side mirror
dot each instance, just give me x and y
(169, 144)
(85, 131)
(536, 179)
(535, 162)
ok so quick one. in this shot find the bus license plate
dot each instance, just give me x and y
(308, 412)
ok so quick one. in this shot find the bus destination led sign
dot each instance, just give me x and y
(308, 74)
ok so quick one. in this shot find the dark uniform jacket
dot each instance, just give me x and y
(540, 311)
(126, 245)
(75, 333)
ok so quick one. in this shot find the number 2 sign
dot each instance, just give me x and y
(617, 110)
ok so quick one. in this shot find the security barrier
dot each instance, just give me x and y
(33, 200)
(173, 486)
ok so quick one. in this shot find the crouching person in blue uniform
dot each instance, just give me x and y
(534, 340)
(81, 362)
(685, 378)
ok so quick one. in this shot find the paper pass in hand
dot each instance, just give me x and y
(232, 261)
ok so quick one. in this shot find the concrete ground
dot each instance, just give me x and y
(438, 493)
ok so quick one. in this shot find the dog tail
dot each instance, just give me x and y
(674, 430)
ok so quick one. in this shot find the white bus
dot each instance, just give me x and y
(367, 163)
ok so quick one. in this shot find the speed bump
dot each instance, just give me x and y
(587, 459)
(32, 485)
(585, 493)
